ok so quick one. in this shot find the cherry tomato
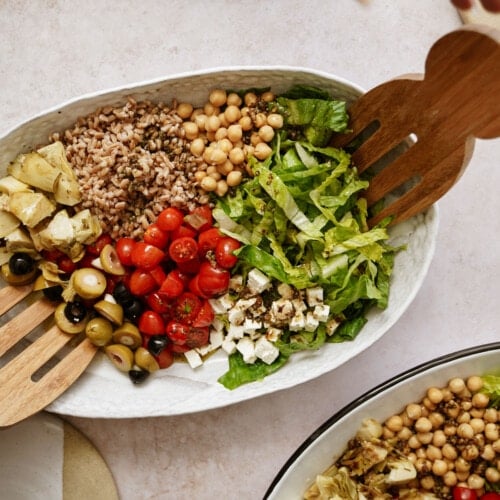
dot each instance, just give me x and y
(146, 256)
(53, 255)
(158, 274)
(179, 349)
(491, 496)
(151, 323)
(124, 247)
(177, 332)
(204, 217)
(141, 282)
(463, 493)
(190, 267)
(224, 255)
(156, 236)
(194, 287)
(207, 240)
(213, 280)
(158, 302)
(96, 247)
(183, 230)
(197, 336)
(205, 315)
(183, 249)
(172, 286)
(187, 307)
(165, 358)
(66, 265)
(170, 219)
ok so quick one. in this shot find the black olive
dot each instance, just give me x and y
(75, 311)
(21, 263)
(157, 343)
(53, 292)
(121, 294)
(132, 310)
(138, 376)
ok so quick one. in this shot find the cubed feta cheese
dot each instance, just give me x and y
(273, 334)
(250, 325)
(204, 349)
(229, 346)
(236, 316)
(321, 312)
(217, 324)
(235, 332)
(285, 290)
(216, 338)
(299, 305)
(314, 296)
(193, 358)
(331, 326)
(297, 323)
(236, 283)
(244, 304)
(282, 310)
(246, 347)
(311, 322)
(257, 281)
(220, 305)
(266, 351)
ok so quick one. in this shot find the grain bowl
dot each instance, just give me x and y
(101, 391)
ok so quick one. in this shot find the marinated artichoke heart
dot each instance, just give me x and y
(334, 484)
(30, 208)
(10, 185)
(8, 223)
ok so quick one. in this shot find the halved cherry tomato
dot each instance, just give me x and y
(197, 336)
(151, 323)
(194, 287)
(177, 332)
(146, 256)
(463, 493)
(158, 274)
(205, 315)
(183, 249)
(158, 302)
(491, 496)
(200, 218)
(96, 247)
(124, 247)
(170, 219)
(183, 230)
(52, 255)
(172, 285)
(179, 349)
(190, 267)
(141, 282)
(207, 240)
(66, 265)
(224, 255)
(213, 280)
(187, 307)
(156, 236)
(165, 358)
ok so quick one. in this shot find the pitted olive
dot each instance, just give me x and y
(145, 360)
(128, 334)
(121, 356)
(17, 279)
(110, 310)
(65, 324)
(110, 261)
(88, 283)
(99, 331)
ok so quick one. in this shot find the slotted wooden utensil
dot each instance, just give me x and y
(21, 395)
(442, 112)
(456, 100)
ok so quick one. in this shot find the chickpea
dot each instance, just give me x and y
(394, 423)
(429, 404)
(437, 419)
(475, 482)
(414, 442)
(266, 133)
(260, 120)
(492, 475)
(237, 156)
(423, 424)
(201, 121)
(191, 130)
(491, 432)
(474, 383)
(439, 467)
(208, 183)
(465, 430)
(262, 151)
(427, 482)
(246, 123)
(225, 145)
(217, 97)
(423, 465)
(407, 421)
(463, 417)
(209, 109)
(404, 434)
(414, 411)
(221, 188)
(212, 169)
(462, 465)
(235, 132)
(439, 438)
(425, 437)
(220, 133)
(477, 413)
(449, 451)
(225, 168)
(490, 415)
(450, 430)
(456, 385)
(275, 120)
(184, 110)
(462, 477)
(480, 400)
(477, 425)
(213, 123)
(434, 453)
(197, 146)
(470, 452)
(199, 175)
(488, 453)
(232, 114)
(387, 433)
(255, 139)
(217, 156)
(267, 96)
(250, 99)
(450, 479)
(435, 395)
(223, 121)
(233, 99)
(234, 178)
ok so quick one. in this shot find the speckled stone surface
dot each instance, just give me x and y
(51, 51)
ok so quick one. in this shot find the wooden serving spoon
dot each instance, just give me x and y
(21, 394)
(441, 112)
(457, 100)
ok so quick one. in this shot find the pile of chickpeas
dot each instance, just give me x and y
(225, 132)
(451, 437)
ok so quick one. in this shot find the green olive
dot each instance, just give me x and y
(128, 334)
(64, 324)
(121, 356)
(110, 261)
(88, 283)
(110, 310)
(17, 279)
(145, 360)
(99, 331)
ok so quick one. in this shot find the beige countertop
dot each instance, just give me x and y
(54, 50)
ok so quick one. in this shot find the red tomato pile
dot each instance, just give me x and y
(463, 493)
(181, 262)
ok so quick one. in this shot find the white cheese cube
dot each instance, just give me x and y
(299, 305)
(331, 326)
(220, 305)
(297, 323)
(250, 325)
(244, 304)
(273, 334)
(217, 324)
(321, 312)
(203, 350)
(246, 347)
(311, 322)
(257, 281)
(193, 358)
(266, 351)
(235, 332)
(216, 339)
(236, 316)
(282, 310)
(229, 346)
(314, 296)
(285, 290)
(236, 283)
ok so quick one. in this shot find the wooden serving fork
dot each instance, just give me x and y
(22, 393)
(441, 112)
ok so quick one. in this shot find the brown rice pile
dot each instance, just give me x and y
(132, 162)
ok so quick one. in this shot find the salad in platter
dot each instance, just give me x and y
(167, 232)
